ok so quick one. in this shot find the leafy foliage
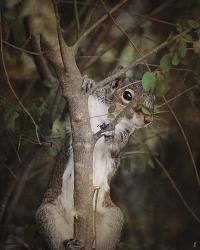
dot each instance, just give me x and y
(149, 81)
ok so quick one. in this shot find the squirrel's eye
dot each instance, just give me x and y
(127, 95)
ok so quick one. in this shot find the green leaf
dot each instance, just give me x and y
(175, 59)
(112, 108)
(182, 50)
(162, 83)
(162, 88)
(165, 62)
(148, 81)
(193, 24)
(146, 111)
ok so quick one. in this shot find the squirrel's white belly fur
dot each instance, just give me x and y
(103, 166)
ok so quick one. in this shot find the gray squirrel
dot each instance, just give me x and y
(55, 215)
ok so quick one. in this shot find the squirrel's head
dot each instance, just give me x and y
(120, 93)
(125, 92)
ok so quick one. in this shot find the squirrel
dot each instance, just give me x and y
(55, 215)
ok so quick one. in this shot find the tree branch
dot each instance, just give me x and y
(70, 78)
(119, 27)
(139, 60)
(178, 95)
(77, 18)
(93, 27)
(38, 57)
(132, 29)
(62, 44)
(21, 49)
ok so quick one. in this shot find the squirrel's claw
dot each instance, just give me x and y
(73, 244)
(87, 84)
(109, 135)
(103, 125)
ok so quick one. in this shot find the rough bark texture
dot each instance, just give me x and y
(82, 140)
(82, 148)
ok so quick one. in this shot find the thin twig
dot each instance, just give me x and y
(9, 170)
(131, 30)
(22, 50)
(39, 60)
(62, 44)
(90, 12)
(119, 27)
(83, 11)
(22, 98)
(176, 189)
(139, 60)
(185, 139)
(19, 144)
(77, 18)
(10, 85)
(152, 18)
(93, 27)
(96, 58)
(10, 138)
(55, 104)
(82, 3)
(179, 95)
(118, 58)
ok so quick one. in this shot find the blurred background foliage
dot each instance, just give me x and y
(155, 216)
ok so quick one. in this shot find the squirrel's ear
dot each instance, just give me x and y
(118, 68)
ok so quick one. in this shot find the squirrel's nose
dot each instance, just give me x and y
(148, 119)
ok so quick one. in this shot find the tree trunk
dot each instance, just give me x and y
(82, 141)
(83, 145)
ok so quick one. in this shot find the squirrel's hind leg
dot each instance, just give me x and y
(53, 226)
(108, 228)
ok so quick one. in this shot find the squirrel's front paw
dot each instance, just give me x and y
(87, 84)
(73, 244)
(109, 135)
(103, 125)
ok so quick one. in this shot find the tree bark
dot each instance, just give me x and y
(82, 140)
(83, 152)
